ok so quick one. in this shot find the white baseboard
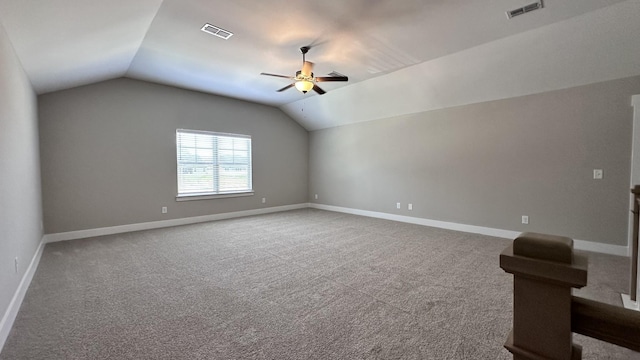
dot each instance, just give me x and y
(81, 234)
(628, 304)
(14, 306)
(508, 234)
(16, 301)
(421, 221)
(610, 249)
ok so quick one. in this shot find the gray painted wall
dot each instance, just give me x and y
(109, 158)
(487, 164)
(20, 197)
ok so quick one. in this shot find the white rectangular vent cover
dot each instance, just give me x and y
(525, 9)
(219, 32)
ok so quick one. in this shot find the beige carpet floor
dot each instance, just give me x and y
(304, 284)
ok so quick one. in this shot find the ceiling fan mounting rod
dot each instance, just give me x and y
(304, 50)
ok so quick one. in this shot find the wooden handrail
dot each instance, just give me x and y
(605, 322)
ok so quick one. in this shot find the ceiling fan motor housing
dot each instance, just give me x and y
(300, 76)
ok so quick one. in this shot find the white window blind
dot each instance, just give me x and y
(212, 163)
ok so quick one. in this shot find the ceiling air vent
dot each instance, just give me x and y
(525, 9)
(219, 32)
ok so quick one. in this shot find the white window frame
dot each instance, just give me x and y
(214, 163)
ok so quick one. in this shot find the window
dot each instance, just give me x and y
(213, 164)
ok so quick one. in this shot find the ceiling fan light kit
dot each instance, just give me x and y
(304, 85)
(304, 80)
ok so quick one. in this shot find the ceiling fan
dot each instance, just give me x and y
(304, 80)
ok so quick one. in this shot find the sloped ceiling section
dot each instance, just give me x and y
(63, 44)
(401, 56)
(598, 46)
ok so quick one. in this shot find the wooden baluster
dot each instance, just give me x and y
(633, 292)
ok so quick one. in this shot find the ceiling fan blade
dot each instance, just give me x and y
(317, 42)
(332, 78)
(286, 87)
(307, 68)
(317, 89)
(276, 75)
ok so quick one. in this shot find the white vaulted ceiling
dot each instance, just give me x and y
(401, 56)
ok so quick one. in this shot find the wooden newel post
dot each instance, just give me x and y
(545, 270)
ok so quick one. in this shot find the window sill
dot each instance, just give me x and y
(212, 196)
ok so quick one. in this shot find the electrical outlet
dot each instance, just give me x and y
(164, 209)
(410, 206)
(315, 196)
(597, 174)
(397, 205)
(525, 219)
(16, 264)
(264, 200)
